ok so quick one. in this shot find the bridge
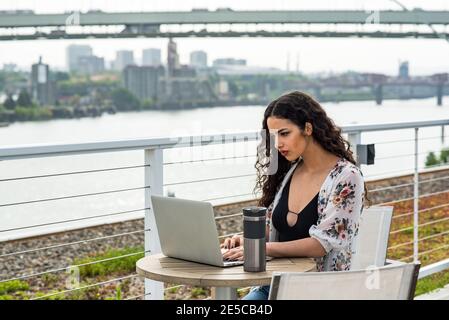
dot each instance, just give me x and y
(16, 25)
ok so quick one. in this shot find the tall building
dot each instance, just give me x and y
(42, 88)
(143, 81)
(74, 52)
(90, 64)
(198, 59)
(184, 72)
(403, 70)
(172, 57)
(151, 57)
(123, 58)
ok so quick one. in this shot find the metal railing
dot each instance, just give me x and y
(155, 168)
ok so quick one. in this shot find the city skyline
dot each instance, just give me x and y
(295, 61)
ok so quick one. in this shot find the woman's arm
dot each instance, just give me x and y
(307, 247)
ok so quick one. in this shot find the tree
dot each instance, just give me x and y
(24, 99)
(9, 102)
(233, 88)
(148, 104)
(431, 160)
(61, 76)
(124, 100)
(444, 155)
(2, 80)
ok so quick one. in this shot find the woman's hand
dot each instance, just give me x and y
(233, 248)
(230, 243)
(234, 254)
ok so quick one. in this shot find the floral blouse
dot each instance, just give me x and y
(340, 204)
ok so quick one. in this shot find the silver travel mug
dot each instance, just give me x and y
(254, 239)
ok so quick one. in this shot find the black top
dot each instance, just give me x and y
(306, 218)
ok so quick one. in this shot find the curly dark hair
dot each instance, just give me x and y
(299, 108)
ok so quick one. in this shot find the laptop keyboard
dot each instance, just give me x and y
(232, 262)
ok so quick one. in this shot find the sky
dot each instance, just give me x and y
(309, 54)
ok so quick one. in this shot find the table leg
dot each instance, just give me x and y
(225, 293)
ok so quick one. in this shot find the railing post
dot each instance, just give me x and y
(154, 177)
(355, 138)
(442, 134)
(415, 201)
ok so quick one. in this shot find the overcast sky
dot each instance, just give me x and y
(315, 55)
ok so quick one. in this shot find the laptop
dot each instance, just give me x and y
(187, 230)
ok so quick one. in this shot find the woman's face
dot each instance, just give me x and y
(291, 142)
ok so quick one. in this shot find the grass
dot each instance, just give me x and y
(14, 289)
(173, 290)
(197, 292)
(49, 279)
(90, 274)
(95, 272)
(121, 265)
(433, 282)
(13, 286)
(437, 280)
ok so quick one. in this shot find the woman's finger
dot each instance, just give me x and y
(229, 253)
(236, 255)
(237, 240)
(225, 243)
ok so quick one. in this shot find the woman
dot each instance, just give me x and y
(316, 195)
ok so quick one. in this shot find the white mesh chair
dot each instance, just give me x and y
(372, 240)
(392, 282)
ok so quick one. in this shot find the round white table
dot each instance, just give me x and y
(161, 268)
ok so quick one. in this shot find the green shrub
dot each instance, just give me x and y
(124, 100)
(33, 113)
(53, 297)
(49, 278)
(431, 159)
(122, 265)
(118, 292)
(198, 292)
(444, 155)
(13, 286)
(173, 290)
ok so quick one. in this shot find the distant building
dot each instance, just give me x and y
(186, 90)
(404, 70)
(151, 57)
(172, 57)
(74, 52)
(184, 72)
(198, 59)
(143, 81)
(9, 67)
(223, 89)
(229, 62)
(227, 70)
(43, 90)
(123, 58)
(90, 64)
